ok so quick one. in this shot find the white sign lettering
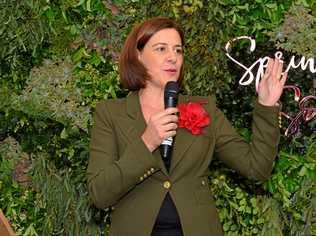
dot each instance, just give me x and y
(248, 76)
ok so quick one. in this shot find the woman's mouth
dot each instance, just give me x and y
(171, 71)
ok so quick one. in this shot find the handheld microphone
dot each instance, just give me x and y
(171, 100)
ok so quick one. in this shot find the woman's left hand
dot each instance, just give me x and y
(271, 85)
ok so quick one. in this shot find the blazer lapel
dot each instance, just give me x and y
(183, 140)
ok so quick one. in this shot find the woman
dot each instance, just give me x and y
(125, 169)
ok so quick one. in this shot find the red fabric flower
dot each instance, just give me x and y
(193, 117)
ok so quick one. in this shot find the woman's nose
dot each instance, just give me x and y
(172, 56)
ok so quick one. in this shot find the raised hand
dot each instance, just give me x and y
(271, 86)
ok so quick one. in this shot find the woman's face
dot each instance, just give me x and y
(162, 56)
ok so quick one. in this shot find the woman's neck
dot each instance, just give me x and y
(151, 98)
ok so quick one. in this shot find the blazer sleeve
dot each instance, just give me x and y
(111, 176)
(253, 160)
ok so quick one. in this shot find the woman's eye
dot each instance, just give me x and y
(160, 49)
(179, 51)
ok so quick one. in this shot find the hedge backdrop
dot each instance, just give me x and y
(59, 58)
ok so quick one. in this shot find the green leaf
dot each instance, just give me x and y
(271, 5)
(64, 134)
(79, 3)
(89, 5)
(79, 54)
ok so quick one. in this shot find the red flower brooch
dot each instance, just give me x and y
(193, 117)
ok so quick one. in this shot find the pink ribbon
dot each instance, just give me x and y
(305, 113)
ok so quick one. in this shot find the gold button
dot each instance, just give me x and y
(149, 172)
(152, 170)
(141, 178)
(167, 184)
(145, 175)
(203, 182)
(112, 208)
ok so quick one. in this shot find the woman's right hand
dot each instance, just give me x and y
(160, 126)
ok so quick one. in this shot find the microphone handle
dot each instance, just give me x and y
(166, 148)
(166, 145)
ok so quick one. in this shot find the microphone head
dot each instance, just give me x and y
(171, 89)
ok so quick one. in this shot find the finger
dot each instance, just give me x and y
(275, 69)
(170, 127)
(279, 71)
(167, 111)
(168, 119)
(171, 110)
(169, 134)
(269, 68)
(283, 79)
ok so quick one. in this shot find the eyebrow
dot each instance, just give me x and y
(177, 45)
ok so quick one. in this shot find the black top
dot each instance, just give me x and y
(168, 221)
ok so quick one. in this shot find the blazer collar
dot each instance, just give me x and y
(133, 107)
(182, 141)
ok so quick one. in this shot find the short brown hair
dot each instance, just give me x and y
(133, 74)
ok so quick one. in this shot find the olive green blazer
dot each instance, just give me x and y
(124, 174)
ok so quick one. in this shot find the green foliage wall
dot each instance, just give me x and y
(59, 58)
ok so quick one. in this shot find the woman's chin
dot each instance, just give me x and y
(175, 79)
